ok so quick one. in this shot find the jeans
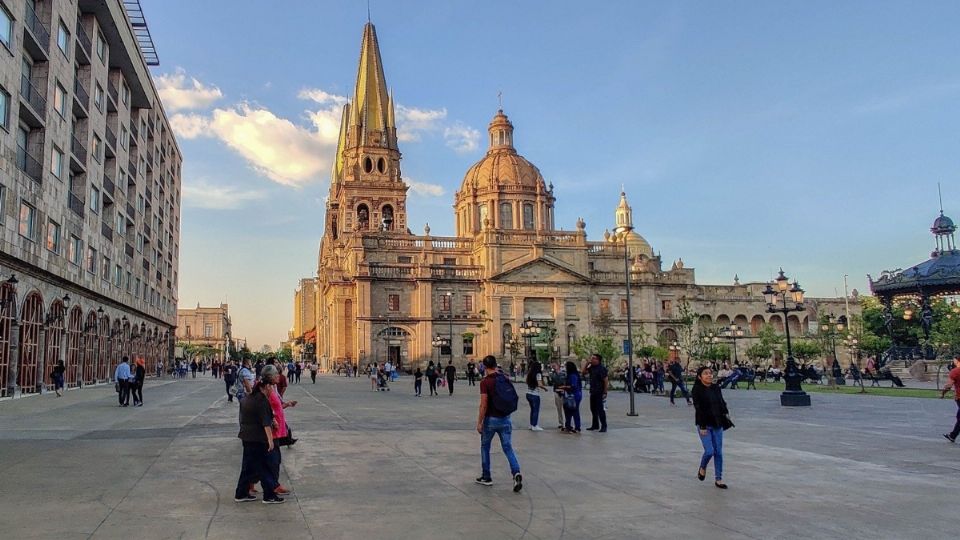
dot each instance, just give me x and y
(254, 467)
(450, 384)
(229, 384)
(534, 401)
(313, 377)
(273, 463)
(433, 385)
(683, 389)
(124, 394)
(597, 412)
(712, 448)
(558, 402)
(500, 426)
(136, 388)
(956, 427)
(418, 386)
(573, 414)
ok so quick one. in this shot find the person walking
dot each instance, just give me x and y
(136, 382)
(230, 377)
(498, 399)
(572, 394)
(298, 370)
(247, 378)
(373, 369)
(675, 373)
(57, 377)
(953, 383)
(122, 376)
(712, 418)
(313, 372)
(557, 380)
(534, 385)
(417, 382)
(472, 373)
(451, 374)
(599, 384)
(432, 376)
(256, 433)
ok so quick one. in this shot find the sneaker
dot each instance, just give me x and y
(282, 491)
(248, 498)
(484, 481)
(536, 428)
(517, 482)
(949, 438)
(275, 500)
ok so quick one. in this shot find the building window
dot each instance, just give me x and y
(28, 220)
(74, 250)
(528, 217)
(56, 162)
(123, 137)
(124, 93)
(140, 203)
(105, 269)
(444, 302)
(208, 330)
(468, 303)
(129, 282)
(53, 236)
(467, 345)
(393, 302)
(121, 224)
(117, 276)
(666, 308)
(6, 26)
(101, 47)
(97, 148)
(60, 100)
(94, 200)
(139, 243)
(506, 215)
(98, 97)
(136, 292)
(623, 307)
(605, 306)
(3, 203)
(63, 38)
(402, 259)
(91, 260)
(4, 107)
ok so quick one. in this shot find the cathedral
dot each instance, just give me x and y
(383, 292)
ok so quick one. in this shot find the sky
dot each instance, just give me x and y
(748, 136)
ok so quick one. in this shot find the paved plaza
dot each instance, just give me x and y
(390, 465)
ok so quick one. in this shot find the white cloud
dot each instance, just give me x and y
(180, 93)
(202, 194)
(411, 122)
(321, 97)
(461, 138)
(425, 189)
(189, 126)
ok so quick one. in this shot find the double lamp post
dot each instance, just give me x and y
(784, 298)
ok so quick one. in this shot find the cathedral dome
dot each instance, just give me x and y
(503, 166)
(636, 244)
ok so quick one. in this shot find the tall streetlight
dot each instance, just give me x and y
(853, 344)
(529, 330)
(733, 333)
(831, 328)
(449, 295)
(793, 395)
(622, 231)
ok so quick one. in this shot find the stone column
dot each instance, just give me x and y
(13, 365)
(42, 359)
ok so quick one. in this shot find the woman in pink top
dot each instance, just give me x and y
(277, 405)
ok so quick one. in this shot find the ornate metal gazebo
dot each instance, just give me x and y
(919, 285)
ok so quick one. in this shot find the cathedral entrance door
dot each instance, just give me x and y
(393, 354)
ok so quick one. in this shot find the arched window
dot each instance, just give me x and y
(6, 322)
(528, 216)
(506, 215)
(333, 228)
(103, 349)
(363, 217)
(90, 358)
(507, 336)
(31, 319)
(381, 165)
(74, 329)
(116, 346)
(571, 337)
(387, 213)
(54, 337)
(367, 165)
(483, 212)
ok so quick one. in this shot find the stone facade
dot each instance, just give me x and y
(204, 326)
(385, 293)
(89, 197)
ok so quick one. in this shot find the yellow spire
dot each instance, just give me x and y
(624, 213)
(341, 144)
(370, 99)
(391, 119)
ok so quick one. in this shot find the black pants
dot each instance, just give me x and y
(255, 466)
(136, 388)
(433, 385)
(956, 427)
(596, 410)
(450, 384)
(417, 386)
(472, 379)
(229, 385)
(124, 394)
(313, 376)
(674, 384)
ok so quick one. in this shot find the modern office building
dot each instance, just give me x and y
(89, 194)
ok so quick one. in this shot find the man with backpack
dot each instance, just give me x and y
(498, 399)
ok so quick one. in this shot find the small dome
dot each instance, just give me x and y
(638, 245)
(503, 166)
(943, 225)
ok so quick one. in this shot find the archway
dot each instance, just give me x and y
(54, 337)
(756, 323)
(90, 349)
(777, 323)
(723, 320)
(795, 328)
(7, 312)
(31, 321)
(741, 321)
(74, 352)
(116, 346)
(668, 336)
(105, 368)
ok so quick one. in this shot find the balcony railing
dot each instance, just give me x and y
(130, 213)
(134, 132)
(108, 185)
(76, 204)
(84, 40)
(81, 95)
(149, 193)
(78, 149)
(106, 231)
(146, 231)
(29, 164)
(40, 32)
(128, 249)
(36, 100)
(112, 90)
(132, 169)
(111, 138)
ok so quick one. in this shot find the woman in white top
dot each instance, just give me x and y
(534, 385)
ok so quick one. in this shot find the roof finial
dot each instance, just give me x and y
(500, 99)
(940, 194)
(368, 11)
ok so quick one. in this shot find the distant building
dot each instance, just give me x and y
(89, 194)
(303, 332)
(204, 326)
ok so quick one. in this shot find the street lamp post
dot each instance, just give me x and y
(622, 231)
(529, 330)
(853, 344)
(793, 395)
(449, 295)
(675, 350)
(733, 333)
(831, 328)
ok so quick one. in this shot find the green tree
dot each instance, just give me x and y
(687, 327)
(805, 349)
(605, 346)
(759, 352)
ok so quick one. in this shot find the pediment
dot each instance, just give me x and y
(540, 271)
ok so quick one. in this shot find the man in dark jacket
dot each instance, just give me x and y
(599, 383)
(675, 373)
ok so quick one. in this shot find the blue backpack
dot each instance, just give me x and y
(504, 398)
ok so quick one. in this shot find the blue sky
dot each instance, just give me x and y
(749, 135)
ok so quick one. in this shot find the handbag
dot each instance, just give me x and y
(116, 387)
(726, 423)
(569, 401)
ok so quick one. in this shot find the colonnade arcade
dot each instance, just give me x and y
(36, 333)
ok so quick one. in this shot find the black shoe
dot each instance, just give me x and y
(949, 438)
(603, 430)
(701, 474)
(484, 481)
(248, 498)
(292, 442)
(517, 482)
(275, 500)
(720, 484)
(591, 428)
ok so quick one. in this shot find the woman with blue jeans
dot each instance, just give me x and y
(534, 384)
(712, 417)
(573, 393)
